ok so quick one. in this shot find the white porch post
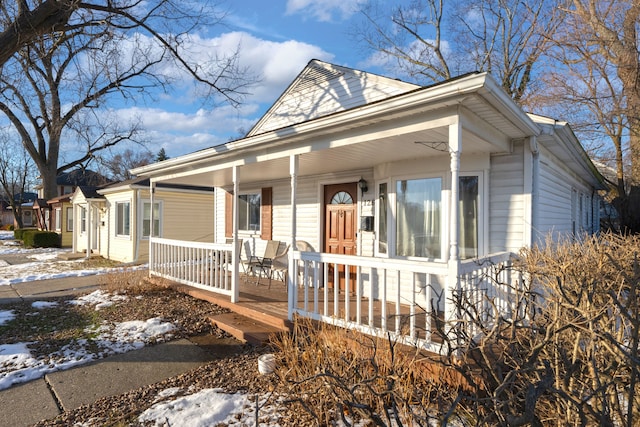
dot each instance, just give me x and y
(152, 191)
(292, 277)
(453, 282)
(88, 229)
(75, 233)
(235, 272)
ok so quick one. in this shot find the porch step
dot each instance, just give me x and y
(244, 328)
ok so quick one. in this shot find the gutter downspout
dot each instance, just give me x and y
(535, 187)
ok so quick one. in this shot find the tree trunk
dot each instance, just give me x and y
(49, 173)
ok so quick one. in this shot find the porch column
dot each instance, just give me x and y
(292, 277)
(235, 272)
(453, 282)
(88, 229)
(152, 191)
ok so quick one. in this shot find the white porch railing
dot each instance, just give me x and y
(397, 298)
(388, 297)
(202, 265)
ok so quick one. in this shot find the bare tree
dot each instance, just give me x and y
(598, 74)
(56, 87)
(431, 40)
(119, 165)
(16, 174)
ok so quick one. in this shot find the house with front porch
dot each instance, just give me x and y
(403, 192)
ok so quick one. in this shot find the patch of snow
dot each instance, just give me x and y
(6, 316)
(210, 407)
(99, 298)
(43, 304)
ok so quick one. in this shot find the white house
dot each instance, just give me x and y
(116, 221)
(399, 189)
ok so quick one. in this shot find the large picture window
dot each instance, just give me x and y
(419, 212)
(123, 218)
(146, 219)
(249, 212)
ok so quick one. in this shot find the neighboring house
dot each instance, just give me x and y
(52, 215)
(61, 219)
(115, 221)
(401, 190)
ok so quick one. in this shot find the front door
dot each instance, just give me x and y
(340, 226)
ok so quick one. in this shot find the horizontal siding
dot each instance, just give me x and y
(554, 207)
(506, 202)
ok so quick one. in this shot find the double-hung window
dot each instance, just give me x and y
(146, 219)
(83, 219)
(249, 212)
(123, 218)
(58, 219)
(69, 219)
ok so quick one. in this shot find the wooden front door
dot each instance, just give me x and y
(341, 226)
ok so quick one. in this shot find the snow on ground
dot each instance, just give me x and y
(17, 365)
(45, 264)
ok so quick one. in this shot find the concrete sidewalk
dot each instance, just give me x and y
(26, 404)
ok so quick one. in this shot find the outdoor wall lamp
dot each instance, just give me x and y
(363, 186)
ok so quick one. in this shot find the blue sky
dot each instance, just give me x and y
(277, 39)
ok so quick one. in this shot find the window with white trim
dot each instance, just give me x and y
(146, 219)
(249, 212)
(69, 219)
(468, 199)
(419, 218)
(383, 217)
(83, 219)
(123, 218)
(58, 219)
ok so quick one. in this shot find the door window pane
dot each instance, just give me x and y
(418, 209)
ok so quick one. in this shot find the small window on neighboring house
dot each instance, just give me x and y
(249, 212)
(58, 219)
(69, 219)
(27, 218)
(123, 218)
(83, 219)
(146, 219)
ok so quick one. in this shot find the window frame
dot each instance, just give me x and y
(126, 231)
(390, 219)
(69, 221)
(58, 219)
(257, 193)
(444, 216)
(144, 202)
(481, 250)
(83, 220)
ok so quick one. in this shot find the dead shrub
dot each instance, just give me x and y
(131, 281)
(339, 375)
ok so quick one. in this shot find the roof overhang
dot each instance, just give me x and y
(385, 130)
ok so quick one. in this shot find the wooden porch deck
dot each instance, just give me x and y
(263, 309)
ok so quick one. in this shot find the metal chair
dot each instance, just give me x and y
(263, 263)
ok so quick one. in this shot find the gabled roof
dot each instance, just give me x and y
(88, 192)
(323, 88)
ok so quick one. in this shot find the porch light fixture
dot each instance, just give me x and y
(363, 186)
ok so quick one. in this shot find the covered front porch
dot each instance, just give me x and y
(394, 197)
(388, 298)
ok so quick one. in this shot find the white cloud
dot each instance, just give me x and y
(324, 10)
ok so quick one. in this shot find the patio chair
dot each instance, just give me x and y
(280, 266)
(263, 264)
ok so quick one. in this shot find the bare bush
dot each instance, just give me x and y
(564, 351)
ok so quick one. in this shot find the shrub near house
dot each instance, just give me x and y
(40, 239)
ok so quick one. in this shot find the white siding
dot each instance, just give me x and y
(507, 213)
(323, 89)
